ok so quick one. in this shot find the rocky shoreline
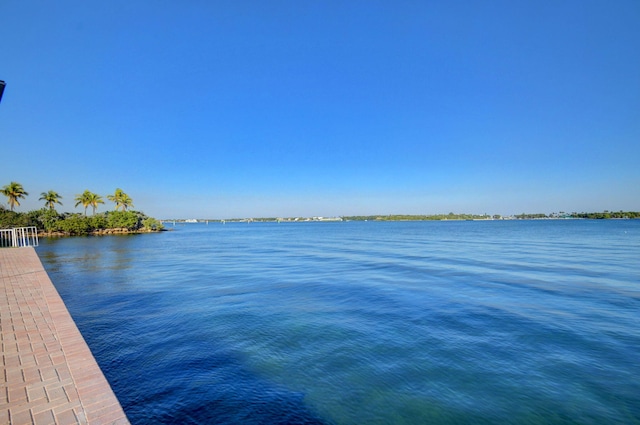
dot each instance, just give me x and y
(98, 232)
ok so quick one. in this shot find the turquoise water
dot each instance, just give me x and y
(523, 322)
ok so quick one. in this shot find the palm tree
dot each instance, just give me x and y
(121, 199)
(13, 192)
(126, 202)
(83, 199)
(87, 198)
(50, 198)
(94, 200)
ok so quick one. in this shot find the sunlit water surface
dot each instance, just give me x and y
(363, 322)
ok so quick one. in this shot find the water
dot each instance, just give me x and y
(527, 322)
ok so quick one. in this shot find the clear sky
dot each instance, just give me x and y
(224, 109)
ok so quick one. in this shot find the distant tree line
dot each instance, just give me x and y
(523, 216)
(607, 214)
(406, 217)
(49, 220)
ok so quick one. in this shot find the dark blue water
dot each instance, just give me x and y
(523, 322)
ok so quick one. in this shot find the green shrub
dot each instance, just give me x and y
(9, 219)
(123, 219)
(98, 221)
(75, 224)
(45, 218)
(152, 224)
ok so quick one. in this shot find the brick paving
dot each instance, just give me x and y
(49, 375)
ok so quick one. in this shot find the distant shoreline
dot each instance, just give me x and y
(606, 215)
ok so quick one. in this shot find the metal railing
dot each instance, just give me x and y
(19, 236)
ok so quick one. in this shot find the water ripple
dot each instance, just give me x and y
(349, 323)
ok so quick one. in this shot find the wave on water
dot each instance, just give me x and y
(350, 323)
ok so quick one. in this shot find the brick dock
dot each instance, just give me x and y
(49, 375)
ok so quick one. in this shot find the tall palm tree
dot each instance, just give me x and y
(121, 199)
(126, 202)
(13, 192)
(94, 200)
(87, 198)
(83, 199)
(50, 198)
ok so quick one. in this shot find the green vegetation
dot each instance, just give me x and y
(52, 222)
(152, 224)
(62, 224)
(524, 216)
(607, 214)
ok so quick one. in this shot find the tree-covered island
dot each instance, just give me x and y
(50, 222)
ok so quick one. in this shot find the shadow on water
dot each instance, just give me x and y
(191, 377)
(204, 384)
(270, 407)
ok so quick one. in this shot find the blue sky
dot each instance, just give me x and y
(222, 109)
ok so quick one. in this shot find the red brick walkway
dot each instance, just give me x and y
(49, 375)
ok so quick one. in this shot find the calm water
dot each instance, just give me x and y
(521, 322)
